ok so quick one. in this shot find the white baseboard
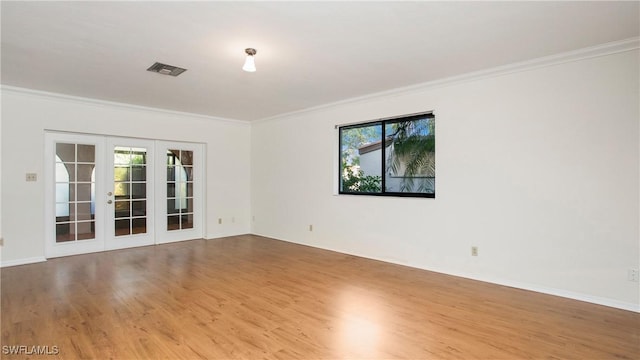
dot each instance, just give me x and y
(24, 261)
(514, 284)
(222, 236)
(558, 292)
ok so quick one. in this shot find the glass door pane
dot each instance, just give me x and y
(130, 190)
(179, 189)
(75, 192)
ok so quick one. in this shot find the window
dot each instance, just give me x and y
(401, 165)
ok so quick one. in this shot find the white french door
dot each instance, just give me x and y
(129, 177)
(107, 193)
(179, 191)
(73, 213)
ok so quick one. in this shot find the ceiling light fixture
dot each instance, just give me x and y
(249, 63)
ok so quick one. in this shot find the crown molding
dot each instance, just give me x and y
(91, 101)
(570, 56)
(546, 61)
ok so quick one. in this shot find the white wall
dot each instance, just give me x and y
(26, 115)
(538, 168)
(1, 237)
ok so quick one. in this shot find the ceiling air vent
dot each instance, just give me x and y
(165, 69)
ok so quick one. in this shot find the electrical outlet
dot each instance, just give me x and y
(474, 251)
(310, 227)
(233, 219)
(632, 275)
(219, 220)
(31, 177)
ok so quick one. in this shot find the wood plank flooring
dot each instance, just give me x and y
(249, 297)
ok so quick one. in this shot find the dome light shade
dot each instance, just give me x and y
(249, 63)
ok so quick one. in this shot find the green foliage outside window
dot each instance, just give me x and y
(402, 165)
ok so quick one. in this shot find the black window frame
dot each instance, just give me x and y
(383, 124)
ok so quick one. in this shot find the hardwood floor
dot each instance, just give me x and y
(249, 297)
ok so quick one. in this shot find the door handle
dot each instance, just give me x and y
(109, 193)
(109, 201)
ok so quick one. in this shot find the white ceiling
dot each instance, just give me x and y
(309, 53)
